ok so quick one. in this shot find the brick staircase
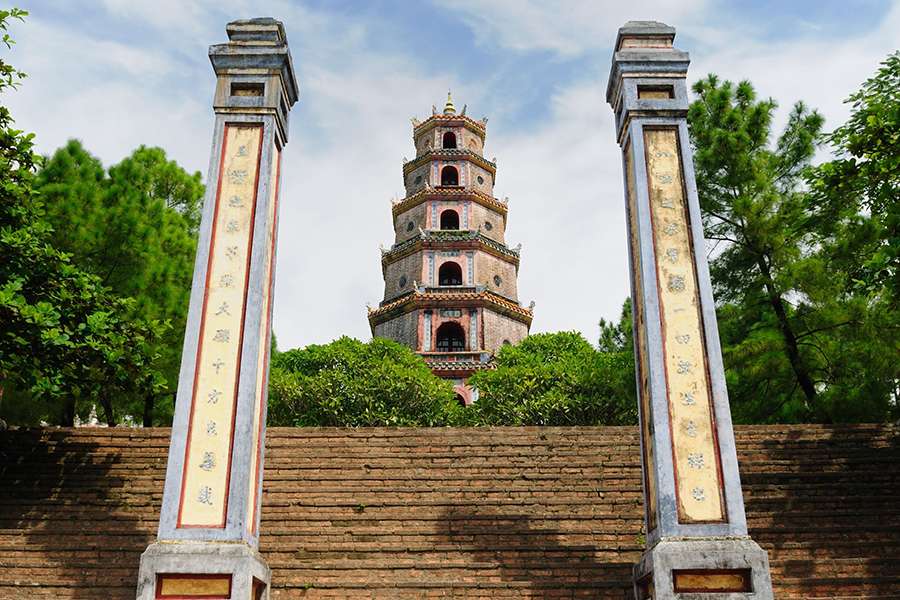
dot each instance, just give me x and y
(449, 513)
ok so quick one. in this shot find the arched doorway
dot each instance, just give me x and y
(450, 273)
(449, 140)
(449, 219)
(451, 337)
(449, 176)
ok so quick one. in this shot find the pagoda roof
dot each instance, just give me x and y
(453, 193)
(440, 238)
(442, 120)
(451, 153)
(458, 364)
(437, 297)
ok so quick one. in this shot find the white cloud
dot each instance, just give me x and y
(820, 70)
(567, 28)
(564, 183)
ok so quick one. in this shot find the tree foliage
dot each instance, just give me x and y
(65, 340)
(135, 227)
(856, 197)
(798, 344)
(555, 379)
(348, 383)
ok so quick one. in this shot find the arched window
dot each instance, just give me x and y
(449, 176)
(450, 273)
(449, 140)
(451, 337)
(449, 219)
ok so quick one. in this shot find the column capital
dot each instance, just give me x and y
(255, 72)
(648, 74)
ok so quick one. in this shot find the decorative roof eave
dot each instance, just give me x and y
(422, 298)
(441, 120)
(455, 153)
(426, 194)
(457, 368)
(465, 239)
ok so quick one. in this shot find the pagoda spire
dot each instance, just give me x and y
(449, 109)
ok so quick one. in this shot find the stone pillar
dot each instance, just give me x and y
(697, 538)
(209, 524)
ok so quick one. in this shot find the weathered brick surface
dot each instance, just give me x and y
(508, 513)
(403, 329)
(499, 329)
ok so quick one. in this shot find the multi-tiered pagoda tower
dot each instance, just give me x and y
(449, 279)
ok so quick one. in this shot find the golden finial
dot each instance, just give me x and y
(449, 109)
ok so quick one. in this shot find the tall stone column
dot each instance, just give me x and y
(209, 524)
(697, 538)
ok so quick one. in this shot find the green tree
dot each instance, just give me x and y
(797, 345)
(556, 379)
(856, 197)
(348, 383)
(65, 340)
(136, 229)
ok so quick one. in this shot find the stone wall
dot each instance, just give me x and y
(488, 267)
(486, 184)
(403, 329)
(416, 179)
(470, 141)
(402, 228)
(406, 270)
(511, 513)
(499, 329)
(480, 217)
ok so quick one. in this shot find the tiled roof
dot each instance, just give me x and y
(451, 153)
(424, 194)
(432, 238)
(436, 297)
(442, 119)
(397, 514)
(458, 362)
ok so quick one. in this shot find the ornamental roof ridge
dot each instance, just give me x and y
(418, 294)
(435, 119)
(446, 236)
(423, 194)
(462, 153)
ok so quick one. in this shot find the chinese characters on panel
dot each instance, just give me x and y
(204, 494)
(695, 452)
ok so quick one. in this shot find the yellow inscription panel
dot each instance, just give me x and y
(695, 453)
(261, 360)
(723, 581)
(194, 586)
(643, 378)
(204, 492)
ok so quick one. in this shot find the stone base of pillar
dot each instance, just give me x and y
(713, 569)
(203, 570)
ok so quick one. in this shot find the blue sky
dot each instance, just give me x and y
(120, 73)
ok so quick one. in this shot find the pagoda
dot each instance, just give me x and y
(449, 278)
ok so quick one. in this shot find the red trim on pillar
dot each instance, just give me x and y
(237, 381)
(268, 342)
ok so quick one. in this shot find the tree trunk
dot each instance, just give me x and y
(107, 411)
(148, 410)
(787, 333)
(69, 414)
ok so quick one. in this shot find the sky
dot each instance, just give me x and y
(120, 73)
